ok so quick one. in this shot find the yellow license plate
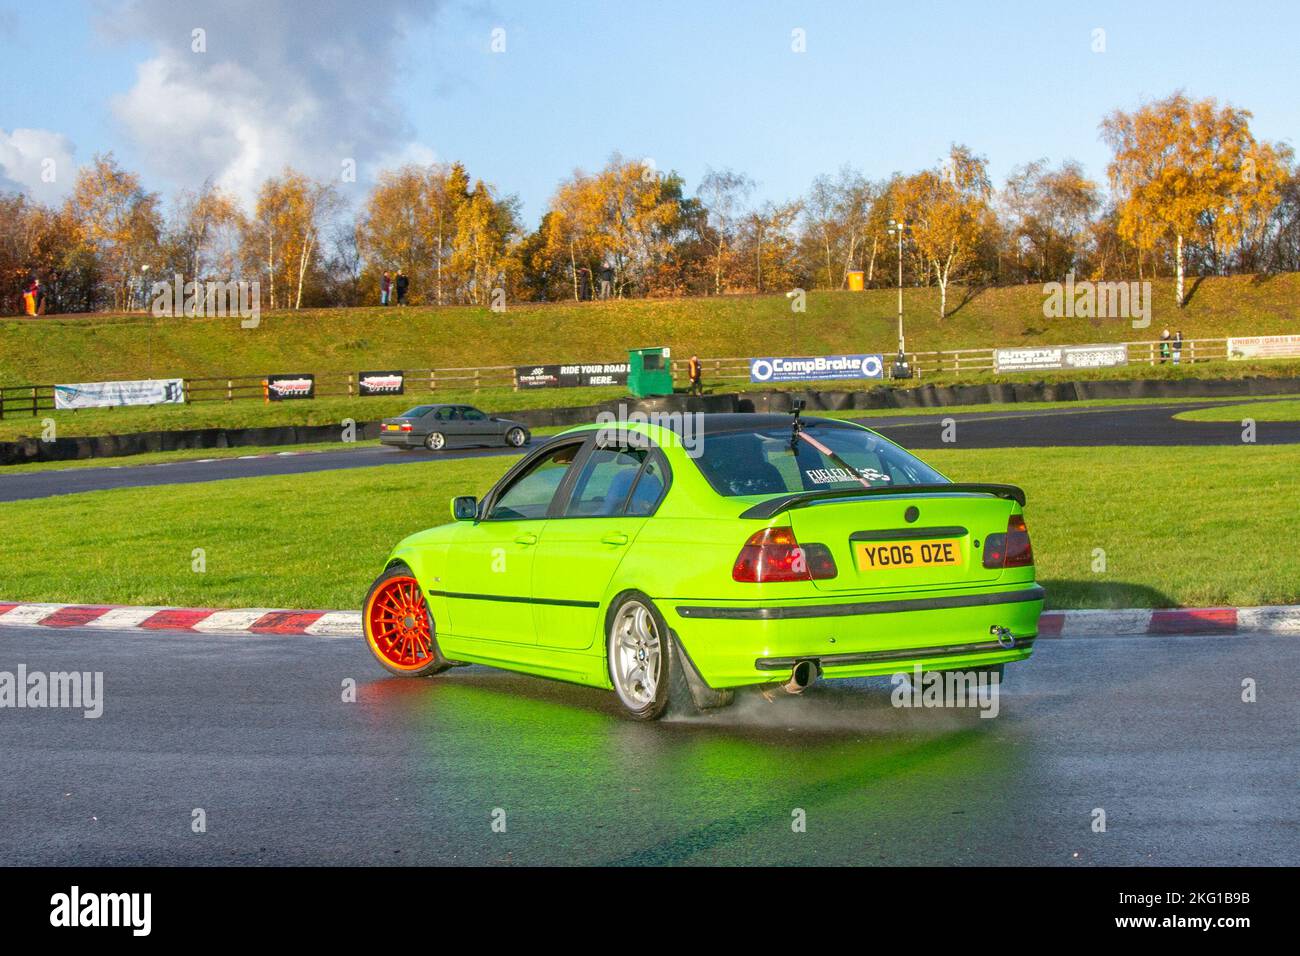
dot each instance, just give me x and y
(882, 555)
(391, 428)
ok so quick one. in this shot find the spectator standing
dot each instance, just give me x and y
(29, 297)
(1178, 347)
(385, 286)
(401, 284)
(696, 372)
(1164, 346)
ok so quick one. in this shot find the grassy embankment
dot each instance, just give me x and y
(336, 341)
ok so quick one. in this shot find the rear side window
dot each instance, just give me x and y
(648, 490)
(764, 462)
(605, 483)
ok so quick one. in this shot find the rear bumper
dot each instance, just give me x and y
(401, 439)
(737, 643)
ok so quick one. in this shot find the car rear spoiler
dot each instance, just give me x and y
(799, 499)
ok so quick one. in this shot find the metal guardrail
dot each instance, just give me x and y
(31, 400)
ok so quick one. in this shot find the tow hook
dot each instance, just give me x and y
(1004, 635)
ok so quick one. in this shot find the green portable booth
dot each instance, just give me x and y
(649, 372)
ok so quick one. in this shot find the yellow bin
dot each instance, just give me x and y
(856, 278)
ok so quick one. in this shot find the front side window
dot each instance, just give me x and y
(530, 494)
(605, 484)
(763, 462)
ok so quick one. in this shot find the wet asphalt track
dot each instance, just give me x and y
(254, 731)
(1145, 425)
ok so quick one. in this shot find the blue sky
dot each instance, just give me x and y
(881, 86)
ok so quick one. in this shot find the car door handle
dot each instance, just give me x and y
(528, 538)
(617, 537)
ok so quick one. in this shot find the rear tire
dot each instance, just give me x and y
(650, 673)
(398, 626)
(515, 438)
(435, 441)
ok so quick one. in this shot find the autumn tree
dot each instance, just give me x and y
(204, 235)
(769, 245)
(948, 210)
(118, 224)
(723, 194)
(1189, 171)
(284, 233)
(1048, 215)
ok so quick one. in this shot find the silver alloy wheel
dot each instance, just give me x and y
(635, 649)
(515, 437)
(435, 441)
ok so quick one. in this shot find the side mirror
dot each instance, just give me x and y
(464, 507)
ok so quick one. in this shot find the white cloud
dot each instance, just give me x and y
(38, 162)
(305, 85)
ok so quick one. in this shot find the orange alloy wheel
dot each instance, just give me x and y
(397, 624)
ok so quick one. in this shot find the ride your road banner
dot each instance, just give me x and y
(812, 368)
(152, 391)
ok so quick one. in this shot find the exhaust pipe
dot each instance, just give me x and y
(803, 674)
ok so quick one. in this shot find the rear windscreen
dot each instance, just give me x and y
(764, 462)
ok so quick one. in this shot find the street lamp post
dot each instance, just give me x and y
(898, 229)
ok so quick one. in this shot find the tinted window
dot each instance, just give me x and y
(529, 496)
(443, 414)
(474, 415)
(763, 462)
(649, 487)
(605, 483)
(419, 411)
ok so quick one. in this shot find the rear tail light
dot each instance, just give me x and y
(774, 554)
(1010, 550)
(406, 426)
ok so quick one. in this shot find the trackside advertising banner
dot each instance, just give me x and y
(381, 383)
(1051, 357)
(815, 368)
(571, 376)
(280, 388)
(1264, 346)
(153, 391)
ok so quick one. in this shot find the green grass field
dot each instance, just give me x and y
(1178, 526)
(1287, 411)
(96, 347)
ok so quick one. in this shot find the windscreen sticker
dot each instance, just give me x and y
(831, 476)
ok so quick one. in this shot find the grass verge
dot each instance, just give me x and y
(1167, 527)
(1287, 411)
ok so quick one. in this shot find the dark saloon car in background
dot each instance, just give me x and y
(450, 426)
